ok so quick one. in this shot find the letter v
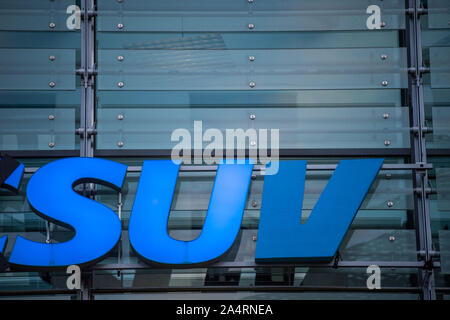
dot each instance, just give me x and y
(281, 236)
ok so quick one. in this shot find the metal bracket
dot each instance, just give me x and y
(422, 70)
(88, 73)
(90, 14)
(336, 260)
(428, 191)
(425, 130)
(420, 11)
(89, 132)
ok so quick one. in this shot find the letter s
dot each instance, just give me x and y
(51, 195)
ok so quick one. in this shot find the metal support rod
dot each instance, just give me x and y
(309, 167)
(47, 228)
(119, 214)
(250, 264)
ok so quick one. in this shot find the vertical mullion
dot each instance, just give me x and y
(419, 155)
(87, 111)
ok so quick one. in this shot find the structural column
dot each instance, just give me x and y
(418, 151)
(87, 128)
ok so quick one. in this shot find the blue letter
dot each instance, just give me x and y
(148, 222)
(281, 237)
(51, 195)
(11, 172)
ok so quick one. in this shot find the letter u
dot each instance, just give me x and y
(151, 209)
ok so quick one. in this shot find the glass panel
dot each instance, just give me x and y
(444, 243)
(298, 127)
(244, 40)
(35, 15)
(440, 67)
(443, 188)
(37, 129)
(441, 127)
(266, 69)
(237, 15)
(29, 281)
(33, 69)
(39, 90)
(41, 297)
(380, 245)
(439, 14)
(440, 216)
(164, 65)
(436, 50)
(313, 277)
(321, 295)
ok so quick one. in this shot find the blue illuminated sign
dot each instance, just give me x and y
(281, 236)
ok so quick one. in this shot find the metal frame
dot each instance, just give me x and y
(87, 112)
(419, 151)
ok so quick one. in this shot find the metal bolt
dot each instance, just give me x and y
(120, 84)
(120, 117)
(254, 204)
(51, 144)
(388, 176)
(384, 57)
(385, 115)
(51, 117)
(120, 144)
(252, 117)
(387, 143)
(251, 58)
(52, 84)
(120, 58)
(250, 1)
(390, 204)
(251, 26)
(52, 58)
(383, 24)
(254, 238)
(252, 84)
(253, 143)
(52, 25)
(384, 83)
(120, 26)
(253, 176)
(391, 238)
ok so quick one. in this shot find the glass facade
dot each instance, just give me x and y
(345, 79)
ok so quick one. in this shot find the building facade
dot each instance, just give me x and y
(349, 79)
